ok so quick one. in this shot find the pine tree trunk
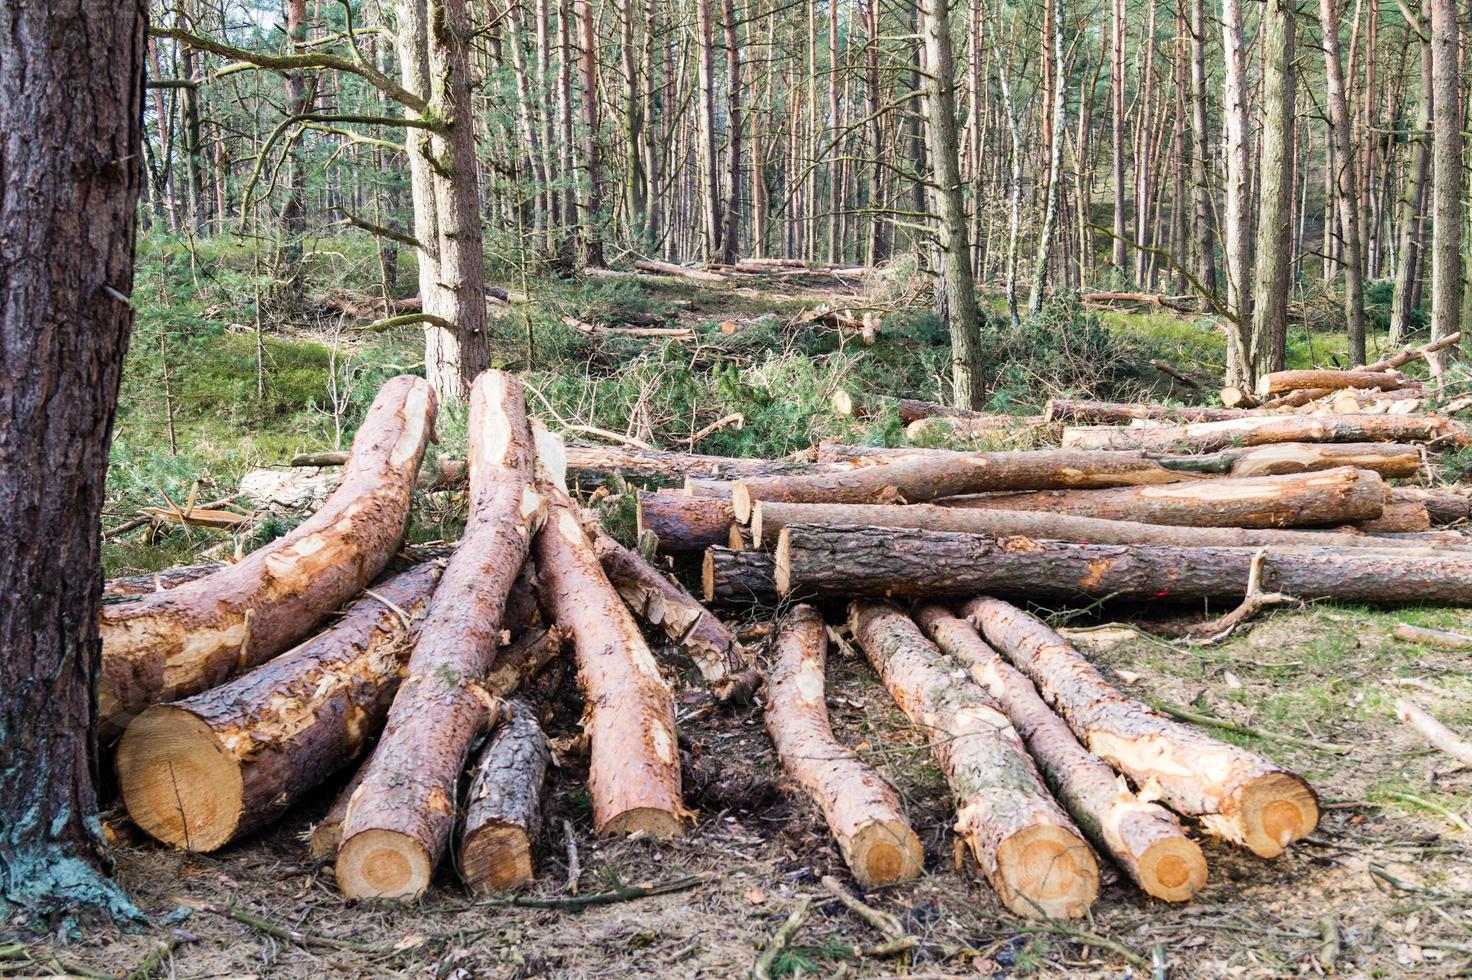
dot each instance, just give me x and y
(503, 809)
(1410, 247)
(1238, 207)
(1347, 179)
(1446, 178)
(1274, 219)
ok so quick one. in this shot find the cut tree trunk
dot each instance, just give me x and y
(1280, 381)
(907, 479)
(634, 768)
(862, 810)
(1111, 413)
(817, 560)
(173, 644)
(399, 823)
(1025, 844)
(682, 521)
(503, 810)
(202, 772)
(1304, 396)
(1399, 516)
(770, 517)
(723, 662)
(1337, 496)
(1144, 839)
(730, 577)
(1205, 437)
(128, 586)
(1236, 794)
(1442, 506)
(686, 272)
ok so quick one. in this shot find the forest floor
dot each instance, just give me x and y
(1389, 871)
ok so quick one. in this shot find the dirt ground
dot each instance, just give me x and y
(1388, 871)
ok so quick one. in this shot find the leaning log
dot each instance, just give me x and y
(398, 825)
(1338, 496)
(1205, 437)
(634, 767)
(908, 479)
(1237, 794)
(1119, 413)
(729, 577)
(1278, 382)
(1023, 841)
(770, 517)
(172, 644)
(722, 660)
(862, 810)
(1144, 838)
(683, 522)
(818, 560)
(503, 809)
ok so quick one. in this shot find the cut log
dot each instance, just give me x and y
(1205, 437)
(770, 517)
(908, 479)
(1434, 638)
(682, 522)
(817, 560)
(175, 643)
(722, 660)
(1237, 397)
(1398, 516)
(862, 810)
(1115, 413)
(973, 428)
(730, 577)
(1029, 850)
(1235, 793)
(127, 586)
(634, 766)
(684, 272)
(1177, 304)
(1144, 839)
(1338, 496)
(1406, 356)
(503, 810)
(1443, 507)
(1386, 458)
(202, 772)
(1434, 731)
(1278, 382)
(666, 333)
(398, 826)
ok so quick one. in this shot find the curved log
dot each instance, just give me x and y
(398, 823)
(1144, 839)
(862, 810)
(173, 644)
(1237, 794)
(503, 809)
(1025, 844)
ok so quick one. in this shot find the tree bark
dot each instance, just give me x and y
(1237, 210)
(862, 810)
(71, 135)
(1319, 380)
(682, 522)
(135, 585)
(1236, 794)
(1111, 413)
(1056, 119)
(674, 468)
(503, 809)
(592, 233)
(1206, 437)
(1275, 190)
(172, 644)
(1201, 203)
(1410, 245)
(399, 823)
(1446, 178)
(819, 560)
(1144, 838)
(1347, 179)
(732, 577)
(1025, 844)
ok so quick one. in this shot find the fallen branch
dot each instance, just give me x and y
(1433, 731)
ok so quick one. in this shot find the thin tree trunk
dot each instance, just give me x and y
(1347, 179)
(1238, 207)
(1053, 45)
(1274, 253)
(1446, 178)
(1413, 198)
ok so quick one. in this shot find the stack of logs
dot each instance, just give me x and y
(230, 710)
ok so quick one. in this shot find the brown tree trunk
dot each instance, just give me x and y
(734, 577)
(399, 823)
(681, 521)
(1280, 381)
(172, 644)
(1274, 257)
(1206, 437)
(1025, 844)
(134, 585)
(1237, 794)
(815, 559)
(1144, 838)
(1446, 177)
(503, 810)
(592, 234)
(71, 111)
(1347, 180)
(862, 810)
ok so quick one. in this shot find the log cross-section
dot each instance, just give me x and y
(172, 644)
(1237, 794)
(862, 810)
(1023, 841)
(398, 823)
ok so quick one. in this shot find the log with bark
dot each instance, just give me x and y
(682, 271)
(1406, 356)
(819, 560)
(503, 809)
(1235, 793)
(128, 586)
(1338, 496)
(972, 428)
(770, 517)
(907, 479)
(1278, 382)
(730, 577)
(1206, 437)
(862, 810)
(594, 463)
(1398, 516)
(681, 521)
(175, 643)
(1144, 838)
(1115, 413)
(634, 766)
(722, 660)
(1025, 844)
(1177, 304)
(398, 825)
(1443, 506)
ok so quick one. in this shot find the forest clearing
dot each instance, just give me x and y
(736, 487)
